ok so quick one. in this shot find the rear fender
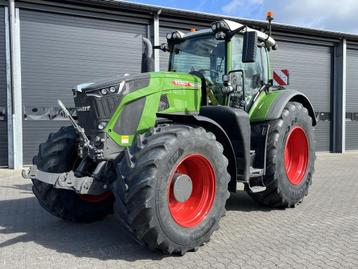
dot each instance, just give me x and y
(269, 106)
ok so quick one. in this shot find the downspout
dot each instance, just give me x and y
(15, 89)
(344, 93)
(156, 39)
(12, 48)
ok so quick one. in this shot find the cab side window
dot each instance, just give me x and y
(255, 73)
(265, 65)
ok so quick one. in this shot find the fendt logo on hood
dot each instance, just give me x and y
(182, 83)
(83, 108)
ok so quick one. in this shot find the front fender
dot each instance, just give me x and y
(269, 106)
(218, 131)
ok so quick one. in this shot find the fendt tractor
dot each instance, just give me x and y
(163, 150)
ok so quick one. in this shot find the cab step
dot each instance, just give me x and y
(256, 183)
(256, 189)
(256, 172)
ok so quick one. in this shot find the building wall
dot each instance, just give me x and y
(59, 51)
(352, 100)
(61, 47)
(3, 118)
(311, 77)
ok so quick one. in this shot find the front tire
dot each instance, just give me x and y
(58, 155)
(149, 202)
(290, 158)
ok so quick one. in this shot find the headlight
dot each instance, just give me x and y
(101, 125)
(220, 26)
(112, 89)
(175, 36)
(220, 36)
(214, 27)
(104, 91)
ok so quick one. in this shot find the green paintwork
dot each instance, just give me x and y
(229, 56)
(183, 92)
(183, 97)
(262, 105)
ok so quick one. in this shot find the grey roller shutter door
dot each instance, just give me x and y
(60, 51)
(3, 120)
(310, 73)
(352, 101)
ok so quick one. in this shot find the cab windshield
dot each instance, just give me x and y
(204, 54)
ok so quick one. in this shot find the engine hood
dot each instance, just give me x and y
(129, 81)
(125, 84)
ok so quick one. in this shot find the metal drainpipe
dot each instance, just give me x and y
(15, 91)
(344, 92)
(12, 27)
(156, 40)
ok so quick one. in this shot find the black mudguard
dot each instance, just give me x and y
(221, 136)
(236, 124)
(279, 104)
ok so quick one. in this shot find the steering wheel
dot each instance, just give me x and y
(208, 77)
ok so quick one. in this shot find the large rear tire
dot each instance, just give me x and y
(153, 197)
(58, 155)
(290, 158)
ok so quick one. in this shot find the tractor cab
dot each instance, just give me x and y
(230, 58)
(232, 62)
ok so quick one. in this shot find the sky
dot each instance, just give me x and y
(335, 15)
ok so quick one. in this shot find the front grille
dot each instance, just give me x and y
(92, 110)
(106, 106)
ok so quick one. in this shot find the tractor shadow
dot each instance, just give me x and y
(24, 189)
(23, 220)
(241, 201)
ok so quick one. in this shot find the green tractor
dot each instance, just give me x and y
(163, 150)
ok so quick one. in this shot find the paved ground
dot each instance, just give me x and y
(320, 233)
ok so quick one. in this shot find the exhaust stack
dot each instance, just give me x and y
(147, 56)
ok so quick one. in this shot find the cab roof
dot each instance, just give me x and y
(263, 37)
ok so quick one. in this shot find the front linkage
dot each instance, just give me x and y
(69, 181)
(75, 180)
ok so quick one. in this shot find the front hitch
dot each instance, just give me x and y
(68, 180)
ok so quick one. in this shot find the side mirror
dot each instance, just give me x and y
(226, 80)
(163, 47)
(249, 49)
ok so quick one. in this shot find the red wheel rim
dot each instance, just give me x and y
(194, 210)
(95, 198)
(296, 155)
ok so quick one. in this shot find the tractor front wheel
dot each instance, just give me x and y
(290, 158)
(172, 188)
(57, 155)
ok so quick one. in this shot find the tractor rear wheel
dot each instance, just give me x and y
(58, 155)
(290, 158)
(172, 188)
